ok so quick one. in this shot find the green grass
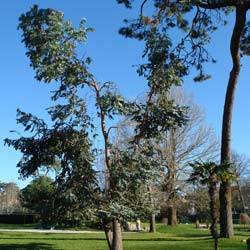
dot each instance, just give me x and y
(38, 226)
(182, 237)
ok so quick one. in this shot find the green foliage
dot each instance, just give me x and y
(158, 116)
(52, 46)
(47, 146)
(51, 41)
(38, 196)
(112, 104)
(245, 40)
(69, 150)
(132, 172)
(203, 171)
(190, 21)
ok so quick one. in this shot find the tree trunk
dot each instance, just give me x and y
(117, 235)
(172, 215)
(152, 228)
(107, 227)
(172, 211)
(213, 210)
(226, 224)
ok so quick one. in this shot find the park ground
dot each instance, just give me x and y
(182, 237)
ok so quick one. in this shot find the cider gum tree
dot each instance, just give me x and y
(52, 46)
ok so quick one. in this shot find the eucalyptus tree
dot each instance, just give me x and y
(198, 19)
(52, 46)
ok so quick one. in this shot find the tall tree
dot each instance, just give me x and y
(52, 46)
(195, 18)
(180, 146)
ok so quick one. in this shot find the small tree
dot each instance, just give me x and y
(206, 174)
(38, 197)
(211, 174)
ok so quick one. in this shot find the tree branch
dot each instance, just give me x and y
(220, 4)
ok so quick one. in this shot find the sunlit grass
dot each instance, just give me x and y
(182, 237)
(38, 226)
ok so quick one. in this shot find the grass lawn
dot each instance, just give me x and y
(38, 226)
(182, 237)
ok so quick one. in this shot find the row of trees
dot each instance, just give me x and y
(41, 198)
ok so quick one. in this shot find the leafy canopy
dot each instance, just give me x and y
(53, 46)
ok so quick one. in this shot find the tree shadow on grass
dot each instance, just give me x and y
(168, 239)
(54, 239)
(102, 239)
(241, 230)
(194, 235)
(243, 235)
(164, 247)
(29, 246)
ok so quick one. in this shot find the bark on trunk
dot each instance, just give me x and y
(172, 215)
(108, 233)
(226, 224)
(213, 210)
(114, 239)
(117, 235)
(152, 228)
(172, 211)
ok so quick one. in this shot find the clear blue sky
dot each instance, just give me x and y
(113, 60)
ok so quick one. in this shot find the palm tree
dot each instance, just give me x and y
(205, 173)
(210, 174)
